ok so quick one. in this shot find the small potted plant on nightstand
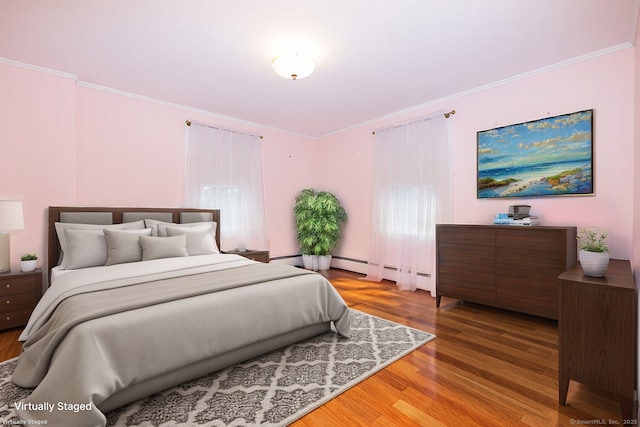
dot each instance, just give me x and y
(28, 262)
(594, 253)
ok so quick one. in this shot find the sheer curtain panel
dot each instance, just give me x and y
(223, 170)
(411, 193)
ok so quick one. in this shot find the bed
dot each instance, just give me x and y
(141, 299)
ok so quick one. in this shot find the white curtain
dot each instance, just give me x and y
(223, 170)
(412, 192)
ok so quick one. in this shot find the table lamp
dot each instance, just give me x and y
(10, 219)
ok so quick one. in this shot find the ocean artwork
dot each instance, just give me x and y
(546, 157)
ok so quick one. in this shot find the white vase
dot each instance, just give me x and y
(310, 262)
(324, 262)
(594, 264)
(27, 266)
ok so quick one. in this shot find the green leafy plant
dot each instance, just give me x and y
(593, 240)
(319, 219)
(29, 257)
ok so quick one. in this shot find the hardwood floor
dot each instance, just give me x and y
(487, 367)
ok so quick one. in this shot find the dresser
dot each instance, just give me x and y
(19, 294)
(510, 267)
(597, 332)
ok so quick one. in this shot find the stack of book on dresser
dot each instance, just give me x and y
(509, 219)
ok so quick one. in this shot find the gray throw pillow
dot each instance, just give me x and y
(124, 245)
(163, 247)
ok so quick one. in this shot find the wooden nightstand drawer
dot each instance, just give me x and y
(13, 284)
(11, 319)
(19, 302)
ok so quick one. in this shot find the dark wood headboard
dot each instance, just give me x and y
(55, 211)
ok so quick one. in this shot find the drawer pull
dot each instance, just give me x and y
(8, 301)
(8, 317)
(8, 285)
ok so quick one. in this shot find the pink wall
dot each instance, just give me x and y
(129, 151)
(289, 165)
(76, 144)
(604, 84)
(636, 190)
(37, 136)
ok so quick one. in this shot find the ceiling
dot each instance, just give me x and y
(373, 58)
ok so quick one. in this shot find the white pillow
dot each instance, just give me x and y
(153, 225)
(162, 228)
(124, 245)
(62, 238)
(199, 240)
(163, 247)
(85, 248)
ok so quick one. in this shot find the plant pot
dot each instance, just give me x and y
(310, 262)
(324, 262)
(594, 264)
(27, 266)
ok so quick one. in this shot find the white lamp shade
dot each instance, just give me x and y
(293, 66)
(11, 215)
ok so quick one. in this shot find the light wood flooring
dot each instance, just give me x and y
(487, 367)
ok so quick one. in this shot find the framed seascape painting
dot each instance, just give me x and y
(545, 157)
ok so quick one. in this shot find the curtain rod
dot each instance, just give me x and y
(189, 122)
(446, 115)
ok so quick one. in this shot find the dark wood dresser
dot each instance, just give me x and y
(19, 294)
(597, 332)
(511, 267)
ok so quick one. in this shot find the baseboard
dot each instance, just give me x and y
(349, 264)
(353, 265)
(343, 263)
(360, 266)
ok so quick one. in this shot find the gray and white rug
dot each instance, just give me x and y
(272, 390)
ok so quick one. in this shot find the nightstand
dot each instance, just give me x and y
(19, 294)
(262, 256)
(597, 331)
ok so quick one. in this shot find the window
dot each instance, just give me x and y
(223, 170)
(412, 192)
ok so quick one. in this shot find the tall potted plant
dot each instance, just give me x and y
(319, 218)
(594, 253)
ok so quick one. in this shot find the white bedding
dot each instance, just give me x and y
(65, 283)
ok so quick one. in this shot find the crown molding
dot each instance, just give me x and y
(38, 69)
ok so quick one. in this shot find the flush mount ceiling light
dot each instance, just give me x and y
(293, 66)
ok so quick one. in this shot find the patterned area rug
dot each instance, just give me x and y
(271, 390)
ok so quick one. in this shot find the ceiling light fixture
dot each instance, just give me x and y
(293, 66)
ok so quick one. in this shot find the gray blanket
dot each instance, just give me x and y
(97, 344)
